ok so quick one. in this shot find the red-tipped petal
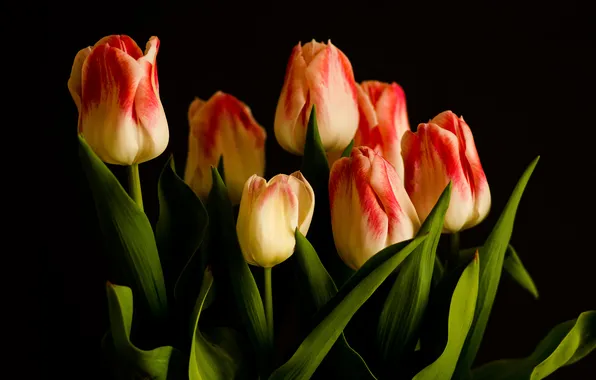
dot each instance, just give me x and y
(124, 43)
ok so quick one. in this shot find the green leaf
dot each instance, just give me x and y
(342, 361)
(335, 314)
(180, 230)
(127, 234)
(564, 345)
(315, 169)
(348, 150)
(209, 361)
(492, 255)
(403, 311)
(513, 266)
(460, 315)
(518, 272)
(155, 364)
(224, 242)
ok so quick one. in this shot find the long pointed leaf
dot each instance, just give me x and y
(207, 360)
(315, 169)
(515, 268)
(336, 313)
(403, 311)
(492, 255)
(342, 361)
(224, 242)
(180, 230)
(154, 364)
(567, 343)
(128, 236)
(460, 315)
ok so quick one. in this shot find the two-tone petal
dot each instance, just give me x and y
(321, 75)
(224, 127)
(269, 214)
(441, 151)
(370, 208)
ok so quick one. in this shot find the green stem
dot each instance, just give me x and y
(134, 185)
(268, 301)
(454, 248)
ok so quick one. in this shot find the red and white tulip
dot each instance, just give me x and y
(224, 127)
(115, 88)
(317, 74)
(370, 208)
(440, 151)
(383, 120)
(269, 214)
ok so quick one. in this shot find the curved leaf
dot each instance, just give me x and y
(155, 364)
(403, 311)
(315, 169)
(207, 360)
(348, 151)
(342, 361)
(492, 255)
(515, 268)
(224, 242)
(335, 314)
(127, 233)
(564, 345)
(179, 232)
(460, 315)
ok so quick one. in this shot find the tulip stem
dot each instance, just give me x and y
(454, 251)
(134, 185)
(268, 301)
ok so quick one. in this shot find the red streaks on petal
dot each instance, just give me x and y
(372, 206)
(110, 73)
(124, 43)
(411, 153)
(340, 176)
(147, 103)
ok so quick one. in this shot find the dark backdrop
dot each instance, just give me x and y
(523, 78)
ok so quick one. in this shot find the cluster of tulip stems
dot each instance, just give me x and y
(384, 195)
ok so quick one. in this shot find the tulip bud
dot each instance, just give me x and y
(317, 74)
(383, 120)
(116, 91)
(223, 127)
(269, 214)
(441, 151)
(370, 208)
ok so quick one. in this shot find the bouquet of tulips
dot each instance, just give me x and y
(354, 232)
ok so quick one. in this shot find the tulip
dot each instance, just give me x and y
(223, 127)
(317, 74)
(116, 91)
(440, 151)
(383, 120)
(269, 214)
(370, 208)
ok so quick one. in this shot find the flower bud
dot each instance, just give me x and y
(115, 88)
(269, 214)
(383, 120)
(440, 151)
(223, 127)
(317, 74)
(370, 208)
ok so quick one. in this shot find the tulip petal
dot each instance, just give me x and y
(153, 131)
(253, 188)
(367, 133)
(306, 200)
(330, 78)
(471, 164)
(75, 81)
(393, 123)
(124, 43)
(292, 105)
(110, 80)
(432, 159)
(273, 222)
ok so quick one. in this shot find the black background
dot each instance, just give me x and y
(522, 76)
